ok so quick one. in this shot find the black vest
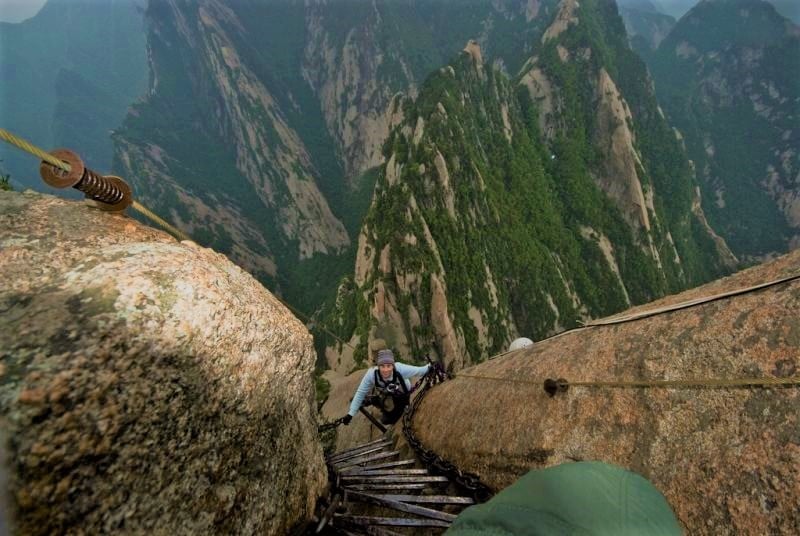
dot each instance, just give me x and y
(392, 395)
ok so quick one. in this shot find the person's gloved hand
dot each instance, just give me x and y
(346, 419)
(437, 371)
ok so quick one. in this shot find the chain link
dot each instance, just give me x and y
(330, 425)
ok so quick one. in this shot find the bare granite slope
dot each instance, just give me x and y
(726, 458)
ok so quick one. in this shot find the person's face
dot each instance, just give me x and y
(386, 370)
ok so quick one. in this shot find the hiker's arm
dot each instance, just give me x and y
(367, 383)
(409, 371)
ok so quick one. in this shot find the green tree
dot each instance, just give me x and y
(5, 179)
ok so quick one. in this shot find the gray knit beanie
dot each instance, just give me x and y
(385, 357)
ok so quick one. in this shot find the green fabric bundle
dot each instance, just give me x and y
(582, 498)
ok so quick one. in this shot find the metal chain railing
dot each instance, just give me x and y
(432, 461)
(330, 425)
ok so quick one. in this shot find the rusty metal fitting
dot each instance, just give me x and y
(552, 386)
(57, 177)
(110, 192)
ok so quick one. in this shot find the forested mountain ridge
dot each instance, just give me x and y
(728, 77)
(272, 160)
(265, 125)
(525, 204)
(224, 165)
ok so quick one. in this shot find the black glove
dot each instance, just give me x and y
(346, 419)
(437, 371)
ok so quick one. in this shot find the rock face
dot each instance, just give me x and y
(146, 385)
(645, 25)
(725, 458)
(265, 182)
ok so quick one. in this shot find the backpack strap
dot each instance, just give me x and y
(397, 377)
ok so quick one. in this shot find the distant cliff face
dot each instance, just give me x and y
(524, 205)
(146, 386)
(269, 160)
(728, 76)
(224, 164)
(646, 26)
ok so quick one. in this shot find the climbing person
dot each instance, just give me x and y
(390, 384)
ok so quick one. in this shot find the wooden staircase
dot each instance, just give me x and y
(375, 492)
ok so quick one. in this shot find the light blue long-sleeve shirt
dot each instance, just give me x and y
(368, 382)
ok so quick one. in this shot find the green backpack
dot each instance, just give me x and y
(582, 498)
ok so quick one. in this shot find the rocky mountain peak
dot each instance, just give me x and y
(483, 181)
(474, 50)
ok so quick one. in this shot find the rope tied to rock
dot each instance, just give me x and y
(554, 386)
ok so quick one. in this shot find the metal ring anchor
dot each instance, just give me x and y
(109, 191)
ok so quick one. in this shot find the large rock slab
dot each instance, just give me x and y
(146, 385)
(727, 459)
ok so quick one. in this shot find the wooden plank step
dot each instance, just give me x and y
(355, 468)
(365, 521)
(430, 499)
(369, 458)
(366, 471)
(395, 479)
(384, 487)
(369, 450)
(370, 531)
(401, 506)
(371, 443)
(340, 455)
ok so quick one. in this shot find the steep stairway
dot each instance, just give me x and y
(374, 492)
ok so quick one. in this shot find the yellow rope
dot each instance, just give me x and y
(661, 310)
(714, 382)
(689, 303)
(177, 233)
(35, 151)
